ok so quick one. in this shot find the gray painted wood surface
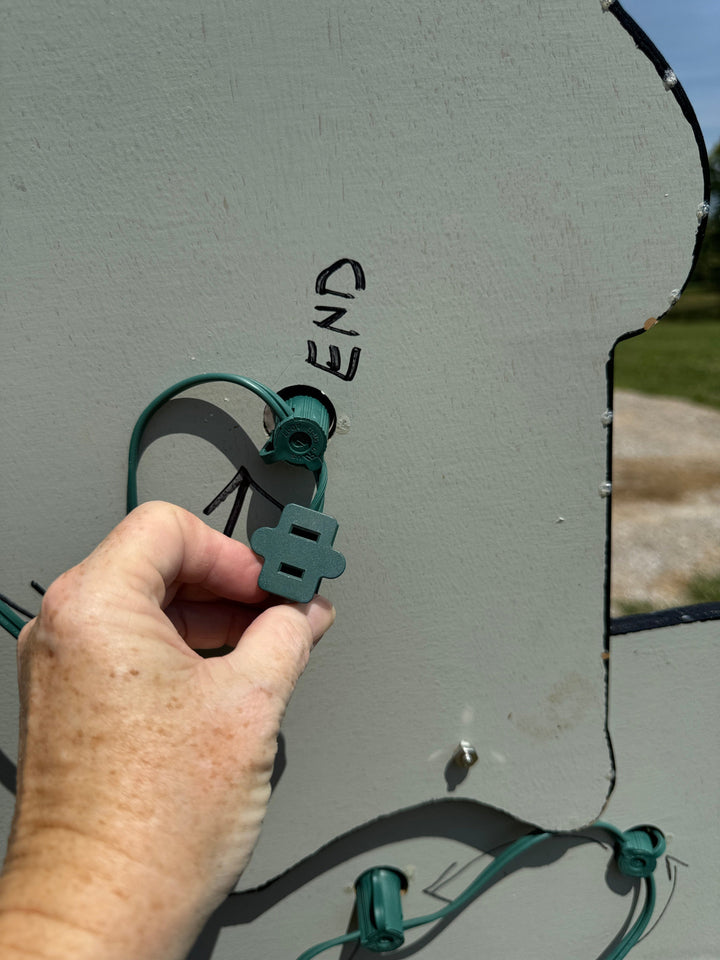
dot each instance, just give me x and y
(566, 900)
(520, 188)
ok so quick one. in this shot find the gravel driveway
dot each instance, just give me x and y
(665, 501)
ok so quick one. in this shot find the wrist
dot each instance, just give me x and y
(64, 894)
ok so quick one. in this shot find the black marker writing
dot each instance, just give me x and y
(337, 314)
(322, 278)
(335, 363)
(242, 482)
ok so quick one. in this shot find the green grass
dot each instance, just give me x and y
(680, 356)
(631, 607)
(697, 303)
(703, 589)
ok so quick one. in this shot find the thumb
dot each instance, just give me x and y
(274, 650)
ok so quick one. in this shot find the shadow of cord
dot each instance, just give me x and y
(466, 821)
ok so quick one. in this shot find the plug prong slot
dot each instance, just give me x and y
(304, 532)
(291, 571)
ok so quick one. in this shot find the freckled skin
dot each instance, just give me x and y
(144, 768)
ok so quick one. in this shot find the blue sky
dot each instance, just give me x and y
(687, 33)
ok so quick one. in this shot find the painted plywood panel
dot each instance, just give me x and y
(665, 725)
(566, 899)
(519, 188)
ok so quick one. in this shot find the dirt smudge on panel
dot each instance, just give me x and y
(564, 707)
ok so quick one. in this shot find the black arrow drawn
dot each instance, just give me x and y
(671, 865)
(668, 858)
(242, 482)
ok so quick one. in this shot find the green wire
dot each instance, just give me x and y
(638, 928)
(278, 406)
(614, 832)
(500, 862)
(322, 947)
(10, 621)
(497, 866)
(515, 849)
(321, 479)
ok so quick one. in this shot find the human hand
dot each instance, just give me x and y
(144, 768)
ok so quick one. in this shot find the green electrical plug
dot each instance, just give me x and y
(298, 553)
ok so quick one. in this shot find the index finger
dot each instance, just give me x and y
(159, 545)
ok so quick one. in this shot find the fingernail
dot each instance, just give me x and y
(321, 616)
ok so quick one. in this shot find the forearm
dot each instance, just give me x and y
(145, 768)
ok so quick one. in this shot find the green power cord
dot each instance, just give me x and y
(637, 850)
(636, 853)
(10, 620)
(302, 425)
(298, 553)
(281, 409)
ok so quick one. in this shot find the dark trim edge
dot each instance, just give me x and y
(697, 613)
(645, 44)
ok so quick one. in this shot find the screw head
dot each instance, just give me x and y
(465, 755)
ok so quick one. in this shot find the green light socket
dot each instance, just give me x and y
(302, 438)
(379, 909)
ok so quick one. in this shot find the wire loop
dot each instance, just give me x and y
(280, 408)
(636, 849)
